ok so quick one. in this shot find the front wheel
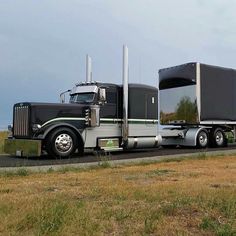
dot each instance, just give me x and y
(202, 139)
(62, 142)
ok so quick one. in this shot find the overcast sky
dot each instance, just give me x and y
(43, 44)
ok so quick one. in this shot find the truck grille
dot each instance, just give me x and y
(21, 121)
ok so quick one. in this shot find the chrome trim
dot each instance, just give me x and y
(101, 119)
(63, 118)
(36, 127)
(84, 89)
(21, 121)
(218, 122)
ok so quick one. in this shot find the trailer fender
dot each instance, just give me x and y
(191, 136)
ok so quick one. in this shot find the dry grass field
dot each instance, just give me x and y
(184, 197)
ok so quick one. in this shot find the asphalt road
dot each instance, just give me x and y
(12, 161)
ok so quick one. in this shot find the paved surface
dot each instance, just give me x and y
(11, 161)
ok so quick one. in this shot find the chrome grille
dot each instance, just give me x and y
(21, 121)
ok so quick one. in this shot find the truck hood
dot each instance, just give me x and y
(40, 113)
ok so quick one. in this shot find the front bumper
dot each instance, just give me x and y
(22, 147)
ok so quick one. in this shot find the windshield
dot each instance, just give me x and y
(82, 98)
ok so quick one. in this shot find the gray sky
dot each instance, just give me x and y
(43, 43)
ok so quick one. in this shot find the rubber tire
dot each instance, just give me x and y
(50, 143)
(202, 133)
(223, 142)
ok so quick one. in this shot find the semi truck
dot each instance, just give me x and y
(197, 105)
(98, 116)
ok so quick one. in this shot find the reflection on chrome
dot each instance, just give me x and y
(178, 105)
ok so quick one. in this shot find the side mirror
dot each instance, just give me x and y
(102, 95)
(63, 97)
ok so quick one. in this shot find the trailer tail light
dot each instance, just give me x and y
(21, 121)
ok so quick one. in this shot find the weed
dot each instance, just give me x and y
(5, 209)
(18, 172)
(50, 170)
(49, 219)
(5, 190)
(150, 222)
(51, 189)
(121, 215)
(169, 209)
(80, 204)
(159, 172)
(226, 230)
(178, 159)
(132, 177)
(104, 162)
(22, 172)
(230, 137)
(65, 169)
(225, 204)
(149, 225)
(140, 195)
(202, 156)
(209, 223)
(194, 175)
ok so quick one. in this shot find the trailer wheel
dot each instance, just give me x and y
(219, 138)
(62, 142)
(202, 139)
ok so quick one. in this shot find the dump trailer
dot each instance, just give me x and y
(197, 105)
(98, 116)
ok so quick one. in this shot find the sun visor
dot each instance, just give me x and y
(177, 76)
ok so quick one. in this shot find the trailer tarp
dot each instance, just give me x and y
(218, 93)
(217, 88)
(177, 76)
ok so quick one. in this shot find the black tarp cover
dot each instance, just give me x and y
(177, 76)
(217, 88)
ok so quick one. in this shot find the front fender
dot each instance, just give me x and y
(43, 132)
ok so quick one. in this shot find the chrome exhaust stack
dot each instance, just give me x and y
(125, 128)
(129, 142)
(88, 69)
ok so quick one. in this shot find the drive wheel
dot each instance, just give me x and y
(219, 138)
(202, 139)
(62, 142)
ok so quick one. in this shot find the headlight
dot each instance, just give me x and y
(36, 127)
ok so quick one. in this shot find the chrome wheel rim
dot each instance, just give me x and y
(219, 138)
(63, 143)
(203, 139)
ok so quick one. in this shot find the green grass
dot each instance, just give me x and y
(3, 135)
(230, 137)
(45, 220)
